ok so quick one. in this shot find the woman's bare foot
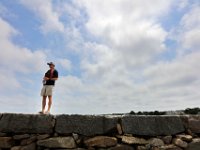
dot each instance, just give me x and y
(41, 112)
(47, 112)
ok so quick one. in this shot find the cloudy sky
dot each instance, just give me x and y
(112, 56)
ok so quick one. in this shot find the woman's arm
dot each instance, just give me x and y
(54, 79)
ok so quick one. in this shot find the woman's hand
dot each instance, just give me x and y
(46, 78)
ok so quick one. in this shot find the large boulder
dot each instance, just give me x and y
(152, 125)
(26, 123)
(85, 124)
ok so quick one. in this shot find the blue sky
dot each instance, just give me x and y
(112, 56)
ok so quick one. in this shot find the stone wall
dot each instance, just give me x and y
(101, 132)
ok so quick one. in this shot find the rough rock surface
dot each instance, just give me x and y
(143, 147)
(20, 123)
(101, 132)
(133, 140)
(122, 147)
(170, 147)
(101, 141)
(58, 142)
(79, 124)
(180, 143)
(194, 145)
(156, 142)
(194, 125)
(21, 136)
(42, 136)
(6, 142)
(26, 147)
(187, 138)
(30, 140)
(152, 125)
(167, 139)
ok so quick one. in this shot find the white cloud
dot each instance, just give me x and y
(182, 4)
(8, 81)
(65, 63)
(15, 59)
(178, 73)
(44, 10)
(120, 72)
(188, 32)
(120, 65)
(68, 84)
(130, 35)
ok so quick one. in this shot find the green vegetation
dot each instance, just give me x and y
(193, 111)
(147, 113)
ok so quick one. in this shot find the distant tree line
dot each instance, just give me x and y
(147, 113)
(192, 111)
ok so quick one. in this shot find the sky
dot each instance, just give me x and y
(113, 56)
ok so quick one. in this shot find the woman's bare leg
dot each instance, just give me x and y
(43, 104)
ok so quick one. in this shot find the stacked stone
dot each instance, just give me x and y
(78, 132)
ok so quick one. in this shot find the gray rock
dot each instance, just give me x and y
(194, 125)
(21, 136)
(16, 148)
(58, 142)
(180, 143)
(187, 138)
(134, 140)
(27, 147)
(26, 123)
(152, 125)
(75, 136)
(143, 147)
(167, 139)
(110, 124)
(6, 142)
(28, 141)
(170, 147)
(196, 140)
(101, 141)
(42, 136)
(194, 145)
(156, 142)
(85, 124)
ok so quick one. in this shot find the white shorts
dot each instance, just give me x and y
(47, 90)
